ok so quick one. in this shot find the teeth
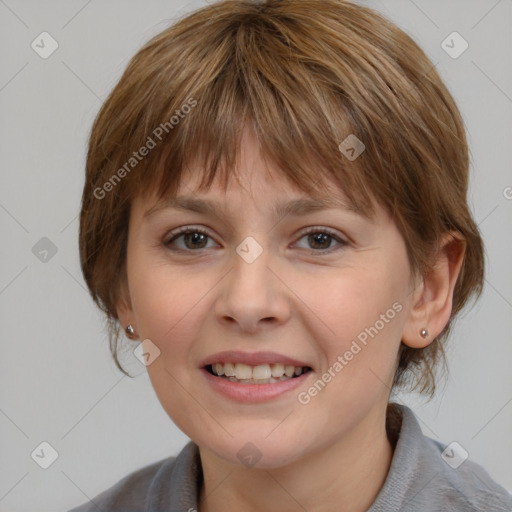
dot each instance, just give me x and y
(277, 370)
(242, 371)
(271, 380)
(261, 374)
(288, 371)
(229, 369)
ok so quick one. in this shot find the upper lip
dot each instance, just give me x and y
(251, 358)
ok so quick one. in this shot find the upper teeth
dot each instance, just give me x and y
(260, 372)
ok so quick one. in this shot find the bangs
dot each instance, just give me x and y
(297, 110)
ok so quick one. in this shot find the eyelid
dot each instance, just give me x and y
(323, 229)
(342, 241)
(184, 230)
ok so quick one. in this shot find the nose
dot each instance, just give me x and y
(253, 297)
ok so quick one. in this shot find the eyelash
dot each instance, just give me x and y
(325, 231)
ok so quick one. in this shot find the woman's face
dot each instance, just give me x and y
(257, 285)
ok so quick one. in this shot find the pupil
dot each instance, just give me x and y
(319, 238)
(195, 237)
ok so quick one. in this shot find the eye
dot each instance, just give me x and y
(193, 238)
(320, 239)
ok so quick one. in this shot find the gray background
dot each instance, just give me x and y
(57, 381)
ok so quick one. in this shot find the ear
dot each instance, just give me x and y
(124, 305)
(433, 295)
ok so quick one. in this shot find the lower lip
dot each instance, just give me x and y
(242, 392)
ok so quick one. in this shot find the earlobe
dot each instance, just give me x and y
(130, 332)
(433, 297)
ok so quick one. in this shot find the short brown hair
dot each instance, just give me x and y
(306, 74)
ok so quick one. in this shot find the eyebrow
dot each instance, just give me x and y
(296, 207)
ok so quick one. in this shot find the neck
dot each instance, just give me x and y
(347, 475)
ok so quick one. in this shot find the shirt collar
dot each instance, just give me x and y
(177, 489)
(411, 468)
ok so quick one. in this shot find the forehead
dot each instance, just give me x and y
(258, 185)
(275, 204)
(299, 206)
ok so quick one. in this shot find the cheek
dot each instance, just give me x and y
(350, 301)
(163, 297)
(167, 305)
(170, 306)
(359, 316)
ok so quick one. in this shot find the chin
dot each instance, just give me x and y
(257, 454)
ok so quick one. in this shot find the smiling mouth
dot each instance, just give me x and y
(261, 374)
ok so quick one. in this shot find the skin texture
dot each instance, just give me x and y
(301, 298)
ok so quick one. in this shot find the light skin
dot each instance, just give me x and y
(302, 297)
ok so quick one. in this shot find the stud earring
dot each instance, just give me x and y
(130, 331)
(424, 333)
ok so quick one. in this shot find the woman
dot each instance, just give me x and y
(277, 310)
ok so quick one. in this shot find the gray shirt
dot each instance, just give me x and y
(420, 479)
